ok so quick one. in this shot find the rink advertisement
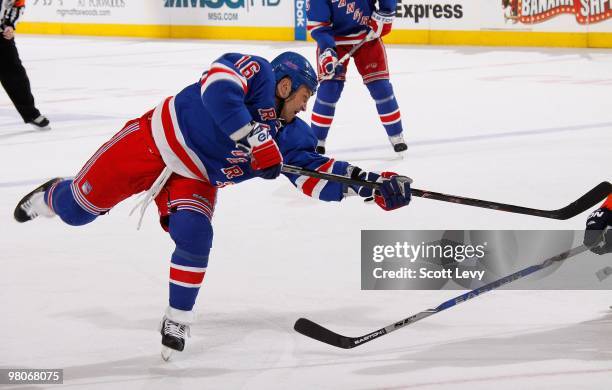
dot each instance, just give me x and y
(539, 15)
(229, 12)
(300, 19)
(575, 23)
(570, 23)
(211, 19)
(456, 259)
(533, 11)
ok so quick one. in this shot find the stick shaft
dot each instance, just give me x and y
(587, 201)
(488, 287)
(352, 51)
(317, 332)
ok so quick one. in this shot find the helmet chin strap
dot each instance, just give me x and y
(281, 104)
(279, 109)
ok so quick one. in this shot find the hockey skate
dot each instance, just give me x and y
(398, 143)
(33, 204)
(40, 123)
(173, 333)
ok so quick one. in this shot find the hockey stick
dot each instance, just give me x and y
(585, 202)
(346, 56)
(317, 332)
(353, 50)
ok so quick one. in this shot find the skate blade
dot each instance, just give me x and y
(166, 353)
(44, 128)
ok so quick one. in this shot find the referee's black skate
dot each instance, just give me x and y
(40, 123)
(33, 204)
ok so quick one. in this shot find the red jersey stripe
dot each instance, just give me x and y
(310, 184)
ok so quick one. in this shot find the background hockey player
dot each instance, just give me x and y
(12, 73)
(219, 131)
(336, 26)
(598, 225)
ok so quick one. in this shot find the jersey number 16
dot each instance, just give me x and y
(247, 68)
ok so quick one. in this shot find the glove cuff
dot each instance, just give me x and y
(383, 17)
(259, 134)
(357, 173)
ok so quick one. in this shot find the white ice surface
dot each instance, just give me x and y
(524, 126)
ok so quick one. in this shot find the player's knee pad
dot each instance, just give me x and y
(330, 91)
(67, 208)
(380, 89)
(192, 233)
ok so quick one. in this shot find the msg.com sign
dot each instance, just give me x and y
(236, 12)
(233, 4)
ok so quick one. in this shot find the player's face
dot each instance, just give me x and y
(295, 103)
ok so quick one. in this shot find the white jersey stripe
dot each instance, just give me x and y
(183, 284)
(299, 182)
(316, 192)
(186, 268)
(218, 76)
(172, 161)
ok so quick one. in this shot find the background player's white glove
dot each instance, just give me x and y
(380, 24)
(328, 63)
(266, 158)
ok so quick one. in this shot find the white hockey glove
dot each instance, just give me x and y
(328, 64)
(380, 24)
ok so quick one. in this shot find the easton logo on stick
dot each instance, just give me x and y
(369, 337)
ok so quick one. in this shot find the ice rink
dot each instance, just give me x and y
(530, 127)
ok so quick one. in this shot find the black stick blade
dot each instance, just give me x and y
(324, 335)
(586, 201)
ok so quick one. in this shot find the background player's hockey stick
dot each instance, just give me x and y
(585, 202)
(353, 50)
(317, 332)
(346, 57)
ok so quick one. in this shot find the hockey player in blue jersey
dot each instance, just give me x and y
(337, 26)
(219, 131)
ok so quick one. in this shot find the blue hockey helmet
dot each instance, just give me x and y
(297, 68)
